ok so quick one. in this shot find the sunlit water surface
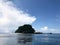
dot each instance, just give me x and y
(29, 39)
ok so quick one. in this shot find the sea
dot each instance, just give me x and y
(29, 39)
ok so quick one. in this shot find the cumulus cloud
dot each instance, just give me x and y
(11, 17)
(46, 29)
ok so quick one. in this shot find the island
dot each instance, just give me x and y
(27, 28)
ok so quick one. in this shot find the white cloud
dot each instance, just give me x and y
(46, 29)
(11, 17)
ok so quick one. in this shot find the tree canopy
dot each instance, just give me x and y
(25, 29)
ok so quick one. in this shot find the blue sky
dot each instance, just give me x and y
(44, 15)
(47, 12)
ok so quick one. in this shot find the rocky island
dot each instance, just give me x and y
(27, 28)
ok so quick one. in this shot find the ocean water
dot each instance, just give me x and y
(29, 39)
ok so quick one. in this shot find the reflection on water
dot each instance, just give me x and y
(29, 39)
(24, 39)
(16, 39)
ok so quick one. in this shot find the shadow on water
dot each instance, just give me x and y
(24, 39)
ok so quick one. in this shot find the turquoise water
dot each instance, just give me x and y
(29, 39)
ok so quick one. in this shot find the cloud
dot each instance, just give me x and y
(11, 17)
(46, 29)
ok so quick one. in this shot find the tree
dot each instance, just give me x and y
(25, 29)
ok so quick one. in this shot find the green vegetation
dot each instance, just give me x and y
(25, 29)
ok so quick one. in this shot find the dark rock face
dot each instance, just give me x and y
(25, 29)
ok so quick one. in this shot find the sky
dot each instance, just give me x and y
(43, 15)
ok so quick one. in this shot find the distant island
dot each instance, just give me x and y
(27, 28)
(38, 33)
